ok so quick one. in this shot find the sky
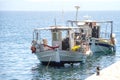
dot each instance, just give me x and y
(58, 5)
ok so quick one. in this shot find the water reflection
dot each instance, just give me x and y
(79, 72)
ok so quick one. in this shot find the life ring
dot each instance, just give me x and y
(33, 49)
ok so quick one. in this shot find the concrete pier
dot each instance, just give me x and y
(110, 73)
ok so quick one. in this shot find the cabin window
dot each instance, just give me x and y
(72, 35)
(55, 36)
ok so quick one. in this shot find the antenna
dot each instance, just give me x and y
(63, 15)
(77, 7)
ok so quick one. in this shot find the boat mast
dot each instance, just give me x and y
(77, 7)
(55, 21)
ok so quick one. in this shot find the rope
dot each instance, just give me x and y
(52, 47)
(48, 63)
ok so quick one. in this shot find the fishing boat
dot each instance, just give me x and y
(57, 45)
(101, 36)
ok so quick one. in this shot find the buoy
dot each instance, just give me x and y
(33, 49)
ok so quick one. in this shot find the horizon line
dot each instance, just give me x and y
(57, 10)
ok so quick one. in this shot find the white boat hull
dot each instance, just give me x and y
(60, 57)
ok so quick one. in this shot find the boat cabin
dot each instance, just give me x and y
(59, 36)
(92, 27)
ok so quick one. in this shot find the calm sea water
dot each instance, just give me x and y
(18, 63)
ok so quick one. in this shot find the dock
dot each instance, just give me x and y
(112, 72)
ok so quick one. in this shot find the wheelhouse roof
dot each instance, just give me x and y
(90, 21)
(57, 28)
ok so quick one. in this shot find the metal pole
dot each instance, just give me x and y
(55, 21)
(111, 28)
(77, 7)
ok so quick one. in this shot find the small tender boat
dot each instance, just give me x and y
(57, 45)
(101, 36)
